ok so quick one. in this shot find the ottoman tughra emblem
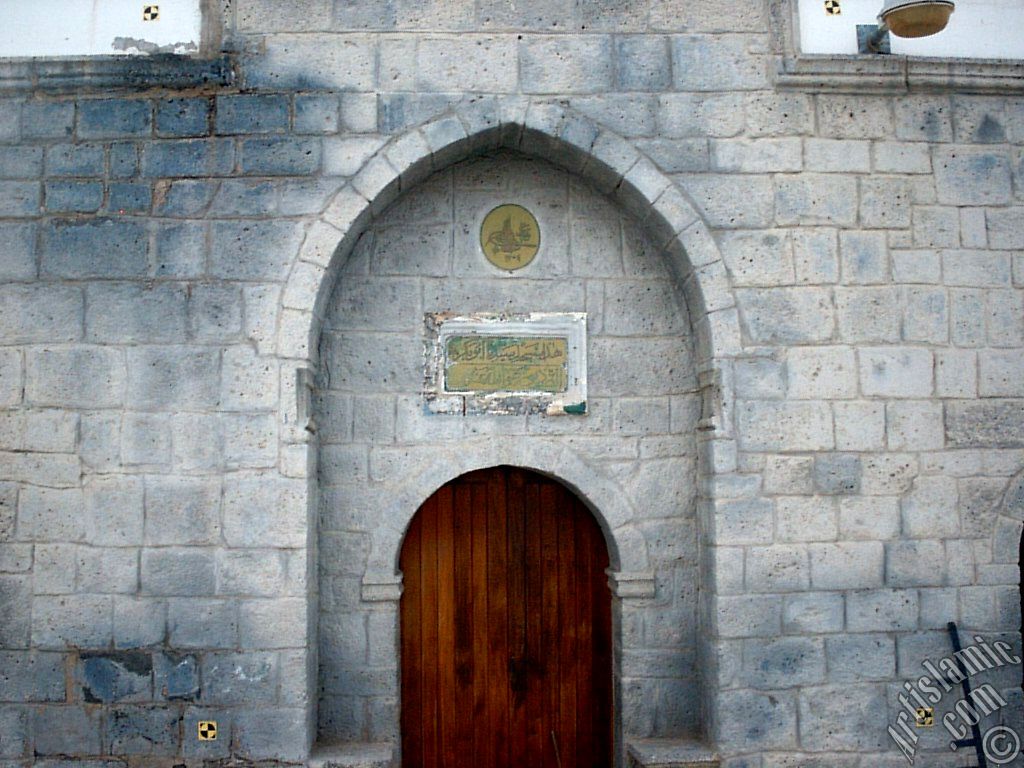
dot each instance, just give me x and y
(510, 237)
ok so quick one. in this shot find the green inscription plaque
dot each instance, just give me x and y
(506, 364)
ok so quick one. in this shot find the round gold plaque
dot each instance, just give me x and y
(510, 237)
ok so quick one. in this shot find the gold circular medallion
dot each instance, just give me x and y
(510, 237)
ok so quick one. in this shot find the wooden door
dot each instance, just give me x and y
(506, 628)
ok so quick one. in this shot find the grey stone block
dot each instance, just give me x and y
(176, 677)
(477, 63)
(186, 198)
(869, 517)
(128, 197)
(861, 728)
(855, 117)
(40, 313)
(249, 678)
(896, 372)
(114, 118)
(749, 616)
(924, 118)
(189, 158)
(254, 250)
(49, 514)
(316, 113)
(847, 565)
(67, 730)
(20, 198)
(263, 510)
(821, 372)
(813, 612)
(143, 731)
(183, 117)
(642, 63)
(73, 196)
(557, 64)
(72, 249)
(139, 622)
(930, 510)
(915, 563)
(84, 621)
(786, 315)
(47, 119)
(837, 155)
(114, 511)
(274, 733)
(784, 662)
(856, 658)
(767, 425)
(182, 511)
(882, 610)
(275, 623)
(971, 176)
(132, 312)
(279, 156)
(14, 733)
(178, 572)
(682, 115)
(31, 676)
(15, 597)
(749, 720)
(868, 314)
(20, 162)
(811, 198)
(252, 113)
(171, 377)
(113, 676)
(776, 569)
(722, 63)
(837, 473)
(108, 570)
(201, 623)
(17, 259)
(124, 160)
(315, 61)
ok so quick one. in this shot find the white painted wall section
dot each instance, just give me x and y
(985, 29)
(54, 28)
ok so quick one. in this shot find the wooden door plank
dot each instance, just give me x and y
(569, 652)
(428, 565)
(412, 642)
(462, 545)
(550, 644)
(585, 634)
(446, 624)
(517, 569)
(535, 736)
(497, 618)
(602, 646)
(481, 661)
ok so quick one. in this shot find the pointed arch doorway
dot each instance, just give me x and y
(505, 627)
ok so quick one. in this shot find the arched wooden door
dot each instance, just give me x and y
(506, 628)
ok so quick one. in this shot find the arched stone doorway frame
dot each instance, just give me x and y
(554, 132)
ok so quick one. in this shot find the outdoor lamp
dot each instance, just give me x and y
(904, 18)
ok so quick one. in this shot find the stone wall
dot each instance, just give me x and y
(422, 255)
(852, 268)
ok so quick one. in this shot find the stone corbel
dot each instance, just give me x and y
(381, 587)
(631, 585)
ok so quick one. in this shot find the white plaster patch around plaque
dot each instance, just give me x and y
(506, 363)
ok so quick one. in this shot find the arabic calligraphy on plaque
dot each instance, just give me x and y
(506, 364)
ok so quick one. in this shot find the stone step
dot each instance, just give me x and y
(353, 755)
(669, 753)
